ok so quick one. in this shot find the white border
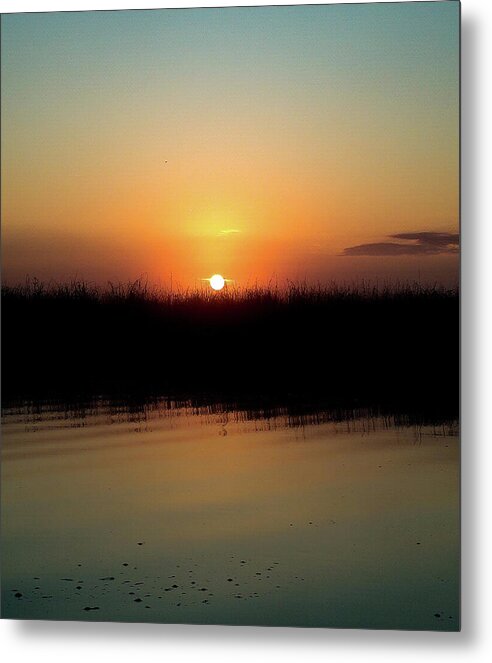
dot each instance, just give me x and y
(81, 642)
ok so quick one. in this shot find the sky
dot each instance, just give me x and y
(311, 143)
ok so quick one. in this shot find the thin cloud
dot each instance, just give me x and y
(228, 231)
(415, 244)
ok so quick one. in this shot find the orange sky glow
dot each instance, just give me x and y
(258, 143)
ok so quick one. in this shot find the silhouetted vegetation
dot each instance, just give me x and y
(392, 347)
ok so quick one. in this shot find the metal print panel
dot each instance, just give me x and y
(230, 371)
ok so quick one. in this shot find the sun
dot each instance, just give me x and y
(217, 282)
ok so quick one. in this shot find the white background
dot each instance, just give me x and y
(77, 642)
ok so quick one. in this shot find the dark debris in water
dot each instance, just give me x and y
(98, 586)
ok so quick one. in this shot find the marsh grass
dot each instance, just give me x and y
(141, 291)
(390, 345)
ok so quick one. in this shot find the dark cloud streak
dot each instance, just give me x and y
(416, 244)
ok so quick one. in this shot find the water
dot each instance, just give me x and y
(173, 514)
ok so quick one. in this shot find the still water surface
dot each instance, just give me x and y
(169, 514)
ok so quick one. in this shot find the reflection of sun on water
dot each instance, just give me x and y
(217, 282)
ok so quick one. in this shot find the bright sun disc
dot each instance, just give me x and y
(217, 282)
